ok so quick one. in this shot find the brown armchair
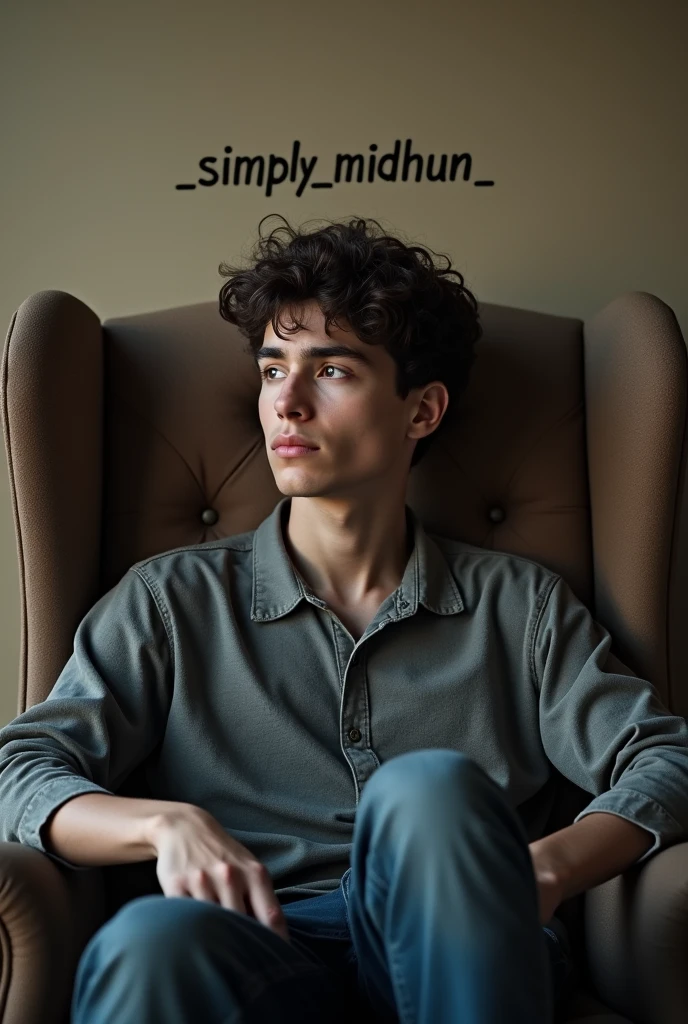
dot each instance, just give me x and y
(569, 447)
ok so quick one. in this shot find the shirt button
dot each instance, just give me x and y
(209, 516)
(404, 603)
(354, 735)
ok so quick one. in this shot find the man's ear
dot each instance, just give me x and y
(432, 404)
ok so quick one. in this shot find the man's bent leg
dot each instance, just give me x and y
(181, 960)
(442, 897)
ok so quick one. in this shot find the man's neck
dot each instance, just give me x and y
(348, 555)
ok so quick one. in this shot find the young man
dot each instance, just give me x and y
(349, 724)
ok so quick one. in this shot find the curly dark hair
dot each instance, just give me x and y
(390, 294)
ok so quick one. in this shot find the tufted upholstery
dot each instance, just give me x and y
(141, 434)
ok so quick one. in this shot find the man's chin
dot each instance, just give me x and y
(299, 490)
(292, 486)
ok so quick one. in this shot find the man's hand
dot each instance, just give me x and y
(196, 857)
(550, 895)
(587, 853)
(551, 890)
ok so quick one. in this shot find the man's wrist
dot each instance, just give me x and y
(550, 868)
(589, 852)
(162, 819)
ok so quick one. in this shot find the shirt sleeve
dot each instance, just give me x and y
(605, 728)
(105, 713)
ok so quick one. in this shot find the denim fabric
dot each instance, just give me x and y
(435, 921)
(219, 673)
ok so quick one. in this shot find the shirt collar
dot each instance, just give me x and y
(278, 587)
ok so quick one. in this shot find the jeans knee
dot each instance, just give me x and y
(152, 927)
(426, 778)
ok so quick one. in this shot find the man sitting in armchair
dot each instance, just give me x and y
(344, 717)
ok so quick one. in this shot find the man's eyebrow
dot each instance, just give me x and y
(314, 351)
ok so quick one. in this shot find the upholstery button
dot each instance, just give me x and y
(209, 516)
(354, 735)
(496, 514)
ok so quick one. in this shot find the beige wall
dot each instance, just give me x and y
(575, 110)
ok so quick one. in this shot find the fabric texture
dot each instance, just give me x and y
(435, 920)
(219, 669)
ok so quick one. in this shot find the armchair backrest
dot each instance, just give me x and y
(568, 447)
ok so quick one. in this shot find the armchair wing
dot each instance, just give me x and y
(636, 939)
(47, 916)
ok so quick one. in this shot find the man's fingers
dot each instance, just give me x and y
(230, 884)
(236, 887)
(266, 906)
(218, 887)
(200, 886)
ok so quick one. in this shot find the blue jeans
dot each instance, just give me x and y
(436, 920)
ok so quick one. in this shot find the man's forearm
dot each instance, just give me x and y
(101, 828)
(593, 850)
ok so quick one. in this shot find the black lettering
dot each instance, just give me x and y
(456, 160)
(272, 180)
(211, 170)
(443, 168)
(408, 157)
(250, 160)
(341, 157)
(390, 175)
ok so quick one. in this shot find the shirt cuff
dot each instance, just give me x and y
(46, 800)
(641, 810)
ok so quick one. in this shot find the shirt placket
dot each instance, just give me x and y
(354, 711)
(354, 714)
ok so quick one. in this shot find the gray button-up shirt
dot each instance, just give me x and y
(216, 665)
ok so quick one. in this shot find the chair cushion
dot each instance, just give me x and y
(586, 1008)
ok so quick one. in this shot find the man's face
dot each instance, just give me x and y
(346, 406)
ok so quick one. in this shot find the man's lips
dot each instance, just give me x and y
(295, 441)
(294, 449)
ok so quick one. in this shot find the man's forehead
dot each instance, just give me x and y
(311, 341)
(312, 320)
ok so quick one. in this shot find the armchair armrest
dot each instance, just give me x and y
(636, 939)
(47, 915)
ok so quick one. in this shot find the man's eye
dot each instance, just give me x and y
(264, 373)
